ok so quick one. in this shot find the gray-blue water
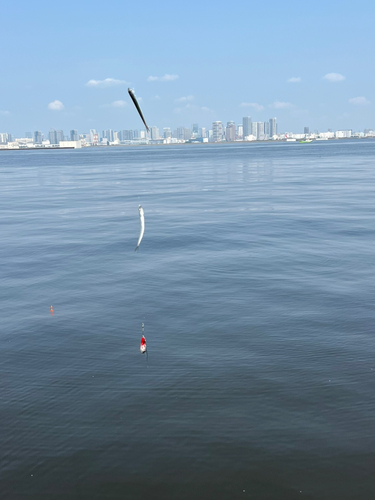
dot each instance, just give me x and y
(255, 282)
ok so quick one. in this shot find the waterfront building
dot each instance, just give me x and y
(254, 130)
(273, 127)
(247, 126)
(306, 130)
(3, 138)
(230, 131)
(126, 135)
(52, 136)
(260, 131)
(240, 131)
(93, 133)
(217, 131)
(154, 133)
(107, 134)
(167, 133)
(266, 130)
(55, 136)
(187, 134)
(74, 135)
(182, 134)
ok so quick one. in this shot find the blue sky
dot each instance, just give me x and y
(225, 60)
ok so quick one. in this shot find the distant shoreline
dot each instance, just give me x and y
(187, 144)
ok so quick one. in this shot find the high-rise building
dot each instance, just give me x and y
(246, 125)
(167, 132)
(59, 136)
(187, 134)
(154, 133)
(93, 133)
(260, 131)
(180, 133)
(74, 135)
(273, 127)
(3, 138)
(254, 129)
(306, 130)
(108, 134)
(230, 131)
(52, 136)
(266, 130)
(127, 135)
(240, 131)
(203, 132)
(38, 137)
(55, 136)
(217, 131)
(195, 129)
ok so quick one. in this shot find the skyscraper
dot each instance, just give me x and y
(217, 131)
(306, 130)
(187, 134)
(230, 131)
(266, 130)
(52, 136)
(74, 135)
(246, 125)
(154, 133)
(273, 127)
(93, 133)
(3, 138)
(167, 132)
(59, 136)
(260, 131)
(38, 137)
(108, 134)
(195, 129)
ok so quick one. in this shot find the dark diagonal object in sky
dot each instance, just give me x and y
(134, 99)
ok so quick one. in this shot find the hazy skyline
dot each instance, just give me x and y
(68, 66)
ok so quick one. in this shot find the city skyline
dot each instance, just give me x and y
(287, 59)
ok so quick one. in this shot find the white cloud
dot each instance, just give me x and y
(108, 82)
(192, 107)
(185, 99)
(114, 104)
(56, 106)
(360, 101)
(118, 104)
(281, 105)
(165, 78)
(256, 106)
(334, 77)
(295, 79)
(4, 113)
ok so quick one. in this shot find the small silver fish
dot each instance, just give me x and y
(142, 222)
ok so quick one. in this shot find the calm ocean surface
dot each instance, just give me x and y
(256, 282)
